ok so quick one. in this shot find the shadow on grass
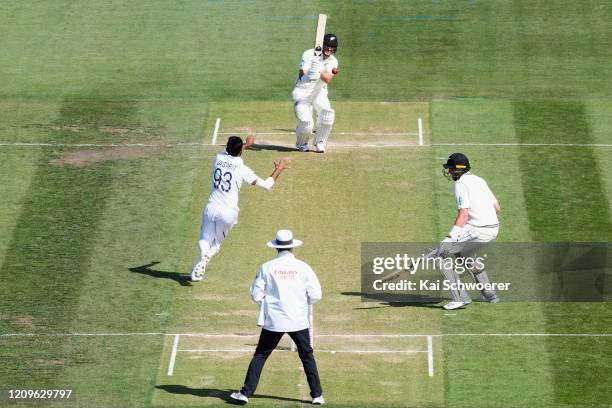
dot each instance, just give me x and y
(223, 395)
(399, 301)
(183, 280)
(275, 148)
(198, 392)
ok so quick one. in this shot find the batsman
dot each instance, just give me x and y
(476, 225)
(317, 69)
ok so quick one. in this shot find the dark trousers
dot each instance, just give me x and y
(268, 340)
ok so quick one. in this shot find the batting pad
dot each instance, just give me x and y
(449, 275)
(303, 132)
(325, 121)
(482, 277)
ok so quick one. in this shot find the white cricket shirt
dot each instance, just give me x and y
(473, 193)
(227, 176)
(304, 82)
(289, 286)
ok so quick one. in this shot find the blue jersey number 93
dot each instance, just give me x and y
(222, 180)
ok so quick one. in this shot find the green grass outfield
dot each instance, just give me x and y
(99, 239)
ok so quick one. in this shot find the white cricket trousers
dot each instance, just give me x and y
(473, 239)
(302, 103)
(216, 225)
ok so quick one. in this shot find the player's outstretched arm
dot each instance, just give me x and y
(279, 167)
(250, 141)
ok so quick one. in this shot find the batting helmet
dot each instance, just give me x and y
(456, 166)
(330, 40)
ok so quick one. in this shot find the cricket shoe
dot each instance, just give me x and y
(303, 147)
(197, 273)
(238, 396)
(466, 300)
(483, 298)
(318, 401)
(454, 305)
(320, 147)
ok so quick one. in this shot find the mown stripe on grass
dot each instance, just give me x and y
(563, 186)
(566, 202)
(488, 122)
(49, 252)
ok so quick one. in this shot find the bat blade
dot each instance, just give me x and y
(319, 34)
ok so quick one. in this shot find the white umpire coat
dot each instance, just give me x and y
(287, 286)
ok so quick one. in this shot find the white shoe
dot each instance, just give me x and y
(303, 147)
(238, 396)
(197, 273)
(454, 305)
(320, 147)
(318, 401)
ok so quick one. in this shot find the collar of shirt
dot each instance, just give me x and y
(285, 253)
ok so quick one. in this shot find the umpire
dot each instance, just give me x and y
(284, 287)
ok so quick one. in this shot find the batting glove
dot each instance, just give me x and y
(314, 72)
(456, 233)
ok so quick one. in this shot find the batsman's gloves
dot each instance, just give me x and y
(314, 72)
(456, 233)
(314, 76)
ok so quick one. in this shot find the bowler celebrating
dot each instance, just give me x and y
(221, 212)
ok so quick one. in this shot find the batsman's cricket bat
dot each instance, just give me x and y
(318, 48)
(319, 34)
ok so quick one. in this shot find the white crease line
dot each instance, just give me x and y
(335, 133)
(331, 144)
(173, 355)
(430, 366)
(348, 335)
(24, 144)
(420, 125)
(82, 334)
(529, 334)
(216, 131)
(289, 351)
(526, 144)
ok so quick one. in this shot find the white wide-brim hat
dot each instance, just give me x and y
(284, 240)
